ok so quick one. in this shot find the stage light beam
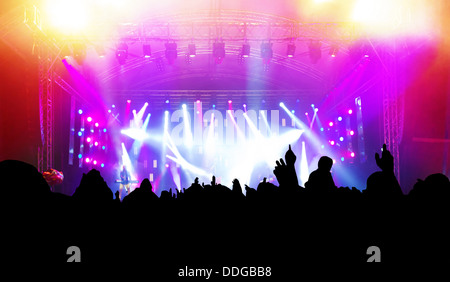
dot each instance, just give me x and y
(187, 127)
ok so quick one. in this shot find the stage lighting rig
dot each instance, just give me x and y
(290, 50)
(315, 51)
(219, 51)
(266, 50)
(192, 52)
(245, 50)
(79, 52)
(122, 53)
(146, 50)
(171, 51)
(333, 50)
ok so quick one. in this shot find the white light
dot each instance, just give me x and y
(67, 15)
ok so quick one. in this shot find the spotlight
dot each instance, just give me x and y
(80, 133)
(80, 111)
(290, 50)
(88, 139)
(352, 132)
(333, 50)
(167, 101)
(89, 119)
(266, 50)
(315, 51)
(339, 118)
(229, 101)
(96, 124)
(88, 160)
(332, 143)
(219, 51)
(245, 50)
(184, 106)
(191, 50)
(102, 165)
(341, 139)
(100, 50)
(79, 52)
(94, 162)
(146, 50)
(330, 123)
(281, 104)
(122, 53)
(171, 51)
(352, 154)
(350, 111)
(80, 156)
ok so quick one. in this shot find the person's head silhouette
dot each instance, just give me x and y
(325, 163)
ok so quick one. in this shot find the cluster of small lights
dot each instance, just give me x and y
(333, 128)
(90, 140)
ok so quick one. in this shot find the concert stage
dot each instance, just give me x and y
(188, 89)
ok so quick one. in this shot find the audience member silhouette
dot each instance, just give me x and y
(383, 185)
(93, 189)
(265, 228)
(23, 183)
(435, 187)
(320, 181)
(142, 196)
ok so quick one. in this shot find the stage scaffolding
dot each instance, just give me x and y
(209, 26)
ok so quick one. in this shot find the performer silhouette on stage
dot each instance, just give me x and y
(125, 181)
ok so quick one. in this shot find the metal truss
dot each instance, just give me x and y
(46, 117)
(221, 25)
(232, 25)
(392, 110)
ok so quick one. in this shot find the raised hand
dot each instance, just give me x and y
(285, 171)
(386, 162)
(281, 172)
(290, 157)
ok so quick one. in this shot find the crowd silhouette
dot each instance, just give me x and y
(213, 224)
